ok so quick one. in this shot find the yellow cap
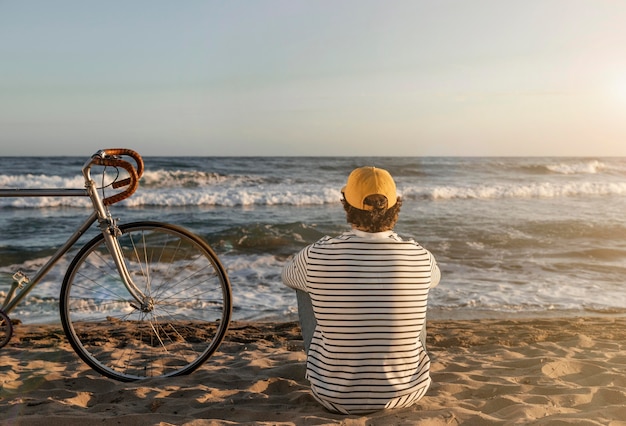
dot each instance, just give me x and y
(366, 181)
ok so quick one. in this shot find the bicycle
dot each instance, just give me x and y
(143, 299)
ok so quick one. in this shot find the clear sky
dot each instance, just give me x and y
(315, 77)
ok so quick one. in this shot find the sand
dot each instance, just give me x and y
(542, 371)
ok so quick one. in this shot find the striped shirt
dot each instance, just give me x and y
(369, 294)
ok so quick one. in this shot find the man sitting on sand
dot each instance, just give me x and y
(363, 318)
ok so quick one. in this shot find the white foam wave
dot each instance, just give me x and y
(304, 195)
(533, 190)
(225, 196)
(231, 197)
(584, 167)
(181, 178)
(40, 181)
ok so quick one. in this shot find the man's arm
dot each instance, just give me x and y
(435, 273)
(294, 271)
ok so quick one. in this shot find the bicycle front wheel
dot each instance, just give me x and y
(188, 295)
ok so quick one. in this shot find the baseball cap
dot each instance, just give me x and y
(366, 181)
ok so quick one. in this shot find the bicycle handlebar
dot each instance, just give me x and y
(111, 157)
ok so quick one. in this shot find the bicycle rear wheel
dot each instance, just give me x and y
(6, 329)
(187, 317)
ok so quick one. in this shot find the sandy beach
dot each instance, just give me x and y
(538, 371)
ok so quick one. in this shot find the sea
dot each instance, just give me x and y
(536, 236)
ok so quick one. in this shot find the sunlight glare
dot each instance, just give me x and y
(618, 89)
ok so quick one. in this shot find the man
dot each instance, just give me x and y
(366, 310)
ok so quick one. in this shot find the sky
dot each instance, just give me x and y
(314, 77)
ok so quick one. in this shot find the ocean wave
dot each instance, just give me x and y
(533, 190)
(276, 195)
(180, 179)
(236, 197)
(195, 179)
(573, 167)
(41, 181)
(278, 239)
(173, 185)
(584, 167)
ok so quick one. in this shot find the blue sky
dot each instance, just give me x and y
(289, 77)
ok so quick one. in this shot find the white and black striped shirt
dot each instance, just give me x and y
(369, 293)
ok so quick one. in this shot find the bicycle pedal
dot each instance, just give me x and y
(20, 279)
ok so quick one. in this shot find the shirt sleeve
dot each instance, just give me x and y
(435, 273)
(294, 271)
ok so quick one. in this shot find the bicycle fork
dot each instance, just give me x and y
(111, 233)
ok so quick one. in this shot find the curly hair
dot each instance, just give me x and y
(379, 219)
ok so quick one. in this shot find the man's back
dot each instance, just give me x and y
(369, 293)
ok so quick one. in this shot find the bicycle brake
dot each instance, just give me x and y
(110, 225)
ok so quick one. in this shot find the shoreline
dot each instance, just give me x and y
(434, 314)
(536, 370)
(451, 314)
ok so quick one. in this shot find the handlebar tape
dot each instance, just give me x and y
(109, 157)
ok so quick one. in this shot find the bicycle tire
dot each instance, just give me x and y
(6, 329)
(190, 293)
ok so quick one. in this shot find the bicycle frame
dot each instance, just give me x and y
(108, 228)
